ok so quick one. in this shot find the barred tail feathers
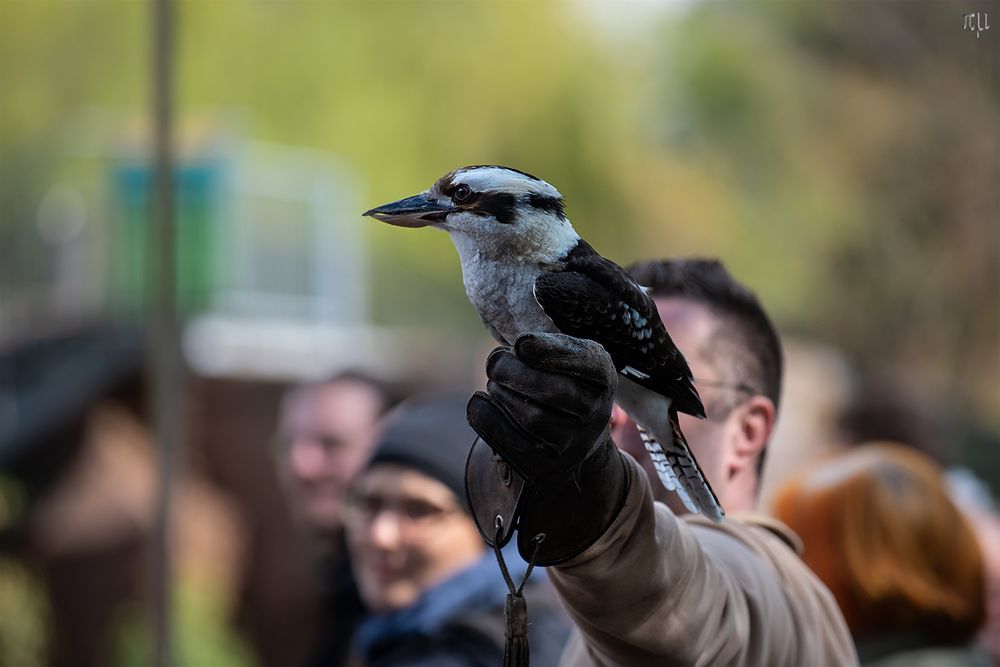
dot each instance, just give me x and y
(679, 472)
(675, 465)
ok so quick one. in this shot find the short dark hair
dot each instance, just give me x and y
(388, 394)
(391, 394)
(747, 342)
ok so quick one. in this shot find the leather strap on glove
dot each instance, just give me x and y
(550, 469)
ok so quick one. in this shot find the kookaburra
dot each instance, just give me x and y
(526, 269)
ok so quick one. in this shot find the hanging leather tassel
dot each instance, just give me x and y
(515, 611)
(515, 615)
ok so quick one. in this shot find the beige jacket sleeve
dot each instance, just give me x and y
(658, 590)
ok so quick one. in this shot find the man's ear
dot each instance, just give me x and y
(755, 423)
(618, 417)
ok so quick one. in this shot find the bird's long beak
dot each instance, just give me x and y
(416, 211)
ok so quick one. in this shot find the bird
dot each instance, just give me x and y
(526, 269)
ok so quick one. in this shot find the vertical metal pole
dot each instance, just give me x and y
(163, 333)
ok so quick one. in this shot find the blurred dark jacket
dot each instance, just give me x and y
(460, 623)
(912, 651)
(342, 610)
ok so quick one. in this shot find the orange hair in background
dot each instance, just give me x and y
(881, 531)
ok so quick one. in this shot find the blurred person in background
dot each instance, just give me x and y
(881, 530)
(79, 445)
(884, 410)
(644, 583)
(324, 436)
(434, 593)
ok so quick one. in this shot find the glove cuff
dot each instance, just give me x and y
(560, 514)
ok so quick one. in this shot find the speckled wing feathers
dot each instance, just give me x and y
(594, 298)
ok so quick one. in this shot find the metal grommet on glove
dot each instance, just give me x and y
(494, 490)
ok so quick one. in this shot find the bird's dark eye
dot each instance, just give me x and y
(462, 192)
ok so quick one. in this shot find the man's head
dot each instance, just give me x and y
(408, 525)
(735, 356)
(324, 436)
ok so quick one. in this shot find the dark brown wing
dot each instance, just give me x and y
(594, 298)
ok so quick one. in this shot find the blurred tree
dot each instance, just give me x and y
(852, 146)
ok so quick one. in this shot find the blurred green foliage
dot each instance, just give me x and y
(23, 617)
(23, 611)
(840, 157)
(203, 633)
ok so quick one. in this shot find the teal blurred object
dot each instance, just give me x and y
(198, 193)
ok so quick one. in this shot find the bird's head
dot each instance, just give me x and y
(498, 210)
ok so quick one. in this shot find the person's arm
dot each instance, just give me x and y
(655, 590)
(648, 588)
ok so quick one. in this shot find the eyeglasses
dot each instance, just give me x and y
(719, 384)
(361, 509)
(718, 409)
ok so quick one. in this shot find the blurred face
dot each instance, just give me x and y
(406, 532)
(711, 440)
(325, 436)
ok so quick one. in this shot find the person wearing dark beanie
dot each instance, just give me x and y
(434, 593)
(429, 435)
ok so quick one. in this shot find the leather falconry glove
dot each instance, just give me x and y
(550, 469)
